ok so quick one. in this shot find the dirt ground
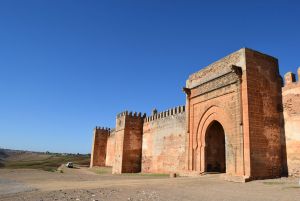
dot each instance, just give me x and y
(83, 184)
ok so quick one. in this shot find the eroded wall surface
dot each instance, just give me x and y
(164, 138)
(264, 105)
(132, 151)
(291, 106)
(119, 142)
(128, 143)
(98, 154)
(110, 149)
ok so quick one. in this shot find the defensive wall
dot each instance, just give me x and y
(164, 141)
(238, 119)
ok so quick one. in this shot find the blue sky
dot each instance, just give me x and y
(69, 65)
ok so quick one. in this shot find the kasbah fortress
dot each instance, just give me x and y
(241, 118)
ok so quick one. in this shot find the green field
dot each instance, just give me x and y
(42, 161)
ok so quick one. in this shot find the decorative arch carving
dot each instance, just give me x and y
(212, 113)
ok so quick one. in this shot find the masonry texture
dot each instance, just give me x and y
(98, 156)
(238, 120)
(164, 142)
(110, 149)
(291, 105)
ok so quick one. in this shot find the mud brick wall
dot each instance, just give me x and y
(164, 138)
(264, 105)
(291, 111)
(128, 143)
(132, 153)
(110, 149)
(98, 154)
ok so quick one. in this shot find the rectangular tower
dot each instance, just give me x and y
(128, 143)
(98, 155)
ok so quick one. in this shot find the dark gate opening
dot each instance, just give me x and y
(215, 148)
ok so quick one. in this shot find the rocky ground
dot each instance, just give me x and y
(84, 184)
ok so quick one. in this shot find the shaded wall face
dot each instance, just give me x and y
(98, 155)
(132, 147)
(164, 144)
(264, 102)
(110, 150)
(128, 144)
(291, 105)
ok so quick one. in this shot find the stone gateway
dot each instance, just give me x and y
(239, 120)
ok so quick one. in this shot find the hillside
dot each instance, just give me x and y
(16, 159)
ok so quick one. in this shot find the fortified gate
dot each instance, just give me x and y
(233, 123)
(234, 117)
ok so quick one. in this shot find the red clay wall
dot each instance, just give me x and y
(164, 142)
(132, 153)
(110, 149)
(264, 105)
(128, 147)
(291, 105)
(98, 154)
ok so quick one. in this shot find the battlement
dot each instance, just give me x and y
(290, 79)
(167, 113)
(104, 130)
(98, 128)
(131, 114)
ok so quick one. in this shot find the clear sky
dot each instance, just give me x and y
(69, 65)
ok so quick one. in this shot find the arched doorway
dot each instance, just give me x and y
(215, 148)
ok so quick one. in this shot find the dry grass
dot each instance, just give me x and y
(101, 170)
(48, 162)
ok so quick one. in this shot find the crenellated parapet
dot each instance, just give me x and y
(112, 131)
(291, 113)
(128, 142)
(104, 130)
(290, 80)
(131, 114)
(166, 113)
(98, 154)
